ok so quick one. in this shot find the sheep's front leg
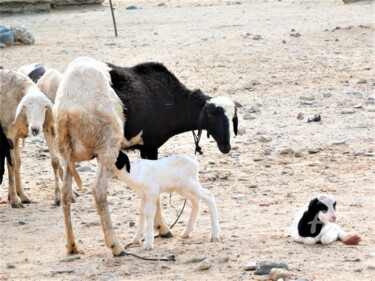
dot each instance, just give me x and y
(17, 167)
(160, 224)
(15, 201)
(100, 195)
(66, 201)
(195, 202)
(141, 225)
(150, 214)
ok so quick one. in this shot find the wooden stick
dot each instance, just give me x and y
(113, 17)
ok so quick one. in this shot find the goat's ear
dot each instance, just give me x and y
(123, 160)
(235, 122)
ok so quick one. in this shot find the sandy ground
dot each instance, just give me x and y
(211, 46)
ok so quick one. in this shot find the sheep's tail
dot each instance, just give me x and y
(65, 147)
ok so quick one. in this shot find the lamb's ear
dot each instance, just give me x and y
(313, 204)
(123, 160)
(235, 122)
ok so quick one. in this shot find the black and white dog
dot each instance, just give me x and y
(317, 224)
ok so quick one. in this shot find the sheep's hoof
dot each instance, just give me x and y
(215, 239)
(121, 254)
(26, 201)
(57, 203)
(72, 250)
(169, 234)
(17, 205)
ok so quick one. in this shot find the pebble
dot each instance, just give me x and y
(372, 97)
(132, 7)
(327, 95)
(277, 273)
(240, 198)
(358, 106)
(342, 142)
(10, 265)
(307, 102)
(70, 258)
(131, 223)
(248, 87)
(250, 109)
(257, 37)
(266, 266)
(362, 81)
(298, 154)
(347, 111)
(249, 116)
(253, 186)
(203, 265)
(370, 109)
(250, 266)
(302, 279)
(68, 270)
(255, 82)
(21, 223)
(313, 150)
(358, 95)
(84, 169)
(295, 34)
(283, 41)
(286, 151)
(300, 116)
(307, 98)
(265, 139)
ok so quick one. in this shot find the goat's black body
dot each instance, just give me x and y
(311, 216)
(5, 146)
(37, 73)
(157, 103)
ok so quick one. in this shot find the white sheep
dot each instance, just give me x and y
(89, 123)
(317, 223)
(24, 110)
(47, 80)
(149, 178)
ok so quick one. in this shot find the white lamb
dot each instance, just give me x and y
(149, 178)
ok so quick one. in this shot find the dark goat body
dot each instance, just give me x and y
(36, 73)
(311, 216)
(158, 104)
(5, 146)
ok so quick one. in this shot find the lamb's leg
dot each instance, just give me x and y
(210, 201)
(66, 201)
(100, 195)
(55, 162)
(141, 225)
(15, 201)
(149, 215)
(195, 204)
(160, 224)
(17, 167)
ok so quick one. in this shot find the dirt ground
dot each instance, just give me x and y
(213, 46)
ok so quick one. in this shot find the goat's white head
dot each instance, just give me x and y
(217, 117)
(325, 206)
(33, 108)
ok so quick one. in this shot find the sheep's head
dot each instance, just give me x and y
(33, 110)
(325, 206)
(217, 117)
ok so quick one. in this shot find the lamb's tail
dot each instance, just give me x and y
(65, 147)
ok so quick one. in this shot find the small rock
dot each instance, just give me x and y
(277, 273)
(257, 37)
(307, 102)
(342, 142)
(203, 265)
(250, 266)
(21, 223)
(313, 150)
(289, 194)
(131, 223)
(70, 258)
(250, 109)
(84, 169)
(240, 198)
(347, 111)
(10, 265)
(286, 151)
(362, 81)
(255, 82)
(161, 4)
(358, 105)
(298, 154)
(300, 116)
(266, 266)
(253, 186)
(132, 7)
(265, 139)
(327, 95)
(59, 271)
(358, 95)
(302, 279)
(307, 98)
(295, 34)
(283, 41)
(370, 109)
(248, 116)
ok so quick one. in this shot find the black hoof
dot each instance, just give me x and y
(57, 203)
(27, 201)
(123, 253)
(169, 234)
(17, 206)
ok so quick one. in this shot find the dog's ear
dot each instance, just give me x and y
(123, 160)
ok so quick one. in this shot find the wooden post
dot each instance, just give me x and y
(113, 17)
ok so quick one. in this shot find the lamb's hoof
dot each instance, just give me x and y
(17, 205)
(57, 203)
(215, 239)
(185, 236)
(121, 254)
(72, 250)
(169, 234)
(149, 247)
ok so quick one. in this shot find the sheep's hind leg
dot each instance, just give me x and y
(66, 201)
(160, 224)
(100, 195)
(195, 204)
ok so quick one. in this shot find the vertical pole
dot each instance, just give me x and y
(113, 17)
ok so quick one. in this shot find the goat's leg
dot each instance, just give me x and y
(149, 215)
(66, 201)
(15, 201)
(55, 162)
(141, 225)
(100, 195)
(159, 222)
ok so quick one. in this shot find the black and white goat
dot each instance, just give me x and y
(158, 106)
(177, 174)
(317, 224)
